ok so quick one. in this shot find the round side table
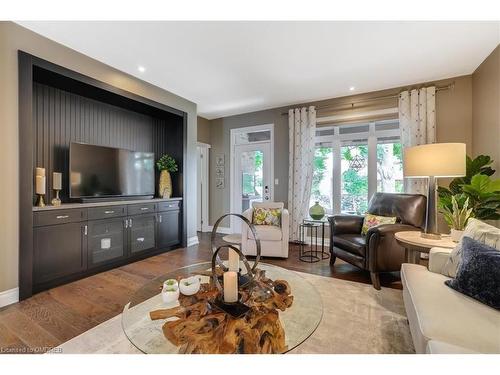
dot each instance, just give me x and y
(415, 244)
(314, 254)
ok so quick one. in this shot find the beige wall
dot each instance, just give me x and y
(486, 109)
(14, 38)
(203, 130)
(454, 124)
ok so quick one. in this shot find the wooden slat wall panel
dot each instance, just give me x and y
(61, 117)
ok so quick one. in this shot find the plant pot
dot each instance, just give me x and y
(317, 212)
(170, 291)
(165, 184)
(190, 286)
(456, 235)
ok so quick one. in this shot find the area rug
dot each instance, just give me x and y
(356, 319)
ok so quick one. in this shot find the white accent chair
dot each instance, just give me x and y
(273, 239)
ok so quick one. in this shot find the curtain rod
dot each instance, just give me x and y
(395, 96)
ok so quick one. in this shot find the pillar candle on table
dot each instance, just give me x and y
(40, 185)
(40, 171)
(230, 287)
(234, 261)
(57, 181)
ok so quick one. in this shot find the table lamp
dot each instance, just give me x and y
(431, 161)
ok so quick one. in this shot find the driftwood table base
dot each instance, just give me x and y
(200, 327)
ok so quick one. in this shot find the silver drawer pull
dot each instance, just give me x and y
(140, 239)
(144, 208)
(109, 212)
(62, 216)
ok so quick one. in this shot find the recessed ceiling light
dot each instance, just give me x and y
(351, 88)
(141, 69)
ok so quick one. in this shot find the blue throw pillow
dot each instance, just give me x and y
(478, 274)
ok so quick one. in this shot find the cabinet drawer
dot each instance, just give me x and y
(141, 208)
(96, 213)
(142, 233)
(169, 205)
(53, 217)
(106, 241)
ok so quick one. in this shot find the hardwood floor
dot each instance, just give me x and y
(54, 316)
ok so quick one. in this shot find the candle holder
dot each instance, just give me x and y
(56, 201)
(40, 201)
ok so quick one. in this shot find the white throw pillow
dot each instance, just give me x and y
(479, 231)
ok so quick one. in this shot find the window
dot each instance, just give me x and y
(351, 162)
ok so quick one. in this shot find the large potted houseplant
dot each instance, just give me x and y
(166, 165)
(477, 188)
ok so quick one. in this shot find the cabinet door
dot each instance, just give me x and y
(142, 233)
(106, 240)
(169, 228)
(59, 250)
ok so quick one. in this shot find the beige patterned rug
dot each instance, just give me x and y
(356, 319)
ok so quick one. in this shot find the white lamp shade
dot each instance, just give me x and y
(435, 159)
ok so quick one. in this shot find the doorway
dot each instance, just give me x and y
(252, 174)
(202, 187)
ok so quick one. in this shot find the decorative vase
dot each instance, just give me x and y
(456, 235)
(165, 184)
(317, 212)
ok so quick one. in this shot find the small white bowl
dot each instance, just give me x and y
(170, 294)
(190, 286)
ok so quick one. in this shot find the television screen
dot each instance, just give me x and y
(98, 172)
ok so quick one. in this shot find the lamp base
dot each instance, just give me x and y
(431, 236)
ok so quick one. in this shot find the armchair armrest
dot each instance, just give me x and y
(285, 225)
(244, 228)
(438, 256)
(389, 229)
(345, 224)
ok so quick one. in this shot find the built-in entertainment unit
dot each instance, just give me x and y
(101, 172)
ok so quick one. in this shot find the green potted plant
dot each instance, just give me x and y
(457, 217)
(166, 165)
(482, 191)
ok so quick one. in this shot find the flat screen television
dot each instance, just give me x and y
(107, 172)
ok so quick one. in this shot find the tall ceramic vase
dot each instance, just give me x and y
(165, 184)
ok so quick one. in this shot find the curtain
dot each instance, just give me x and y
(417, 121)
(301, 131)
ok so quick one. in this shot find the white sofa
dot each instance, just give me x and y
(273, 239)
(442, 320)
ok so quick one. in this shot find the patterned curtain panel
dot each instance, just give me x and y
(302, 131)
(417, 121)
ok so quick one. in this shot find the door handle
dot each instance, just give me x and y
(144, 208)
(159, 218)
(109, 212)
(85, 230)
(130, 223)
(62, 216)
(126, 223)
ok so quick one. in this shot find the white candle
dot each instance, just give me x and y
(234, 261)
(40, 171)
(230, 287)
(57, 181)
(40, 185)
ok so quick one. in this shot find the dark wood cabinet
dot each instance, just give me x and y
(72, 243)
(169, 228)
(142, 233)
(59, 251)
(107, 241)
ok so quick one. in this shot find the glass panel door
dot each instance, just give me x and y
(252, 177)
(389, 166)
(354, 178)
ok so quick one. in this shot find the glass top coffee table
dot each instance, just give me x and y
(299, 321)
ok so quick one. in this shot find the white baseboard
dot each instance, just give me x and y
(192, 241)
(9, 297)
(222, 230)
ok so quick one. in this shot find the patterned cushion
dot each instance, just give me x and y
(478, 274)
(479, 231)
(374, 220)
(267, 216)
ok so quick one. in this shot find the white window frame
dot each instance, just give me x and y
(337, 140)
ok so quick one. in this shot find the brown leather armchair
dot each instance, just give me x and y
(378, 251)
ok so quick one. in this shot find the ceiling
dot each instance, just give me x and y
(230, 68)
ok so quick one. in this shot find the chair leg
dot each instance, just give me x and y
(375, 280)
(333, 258)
